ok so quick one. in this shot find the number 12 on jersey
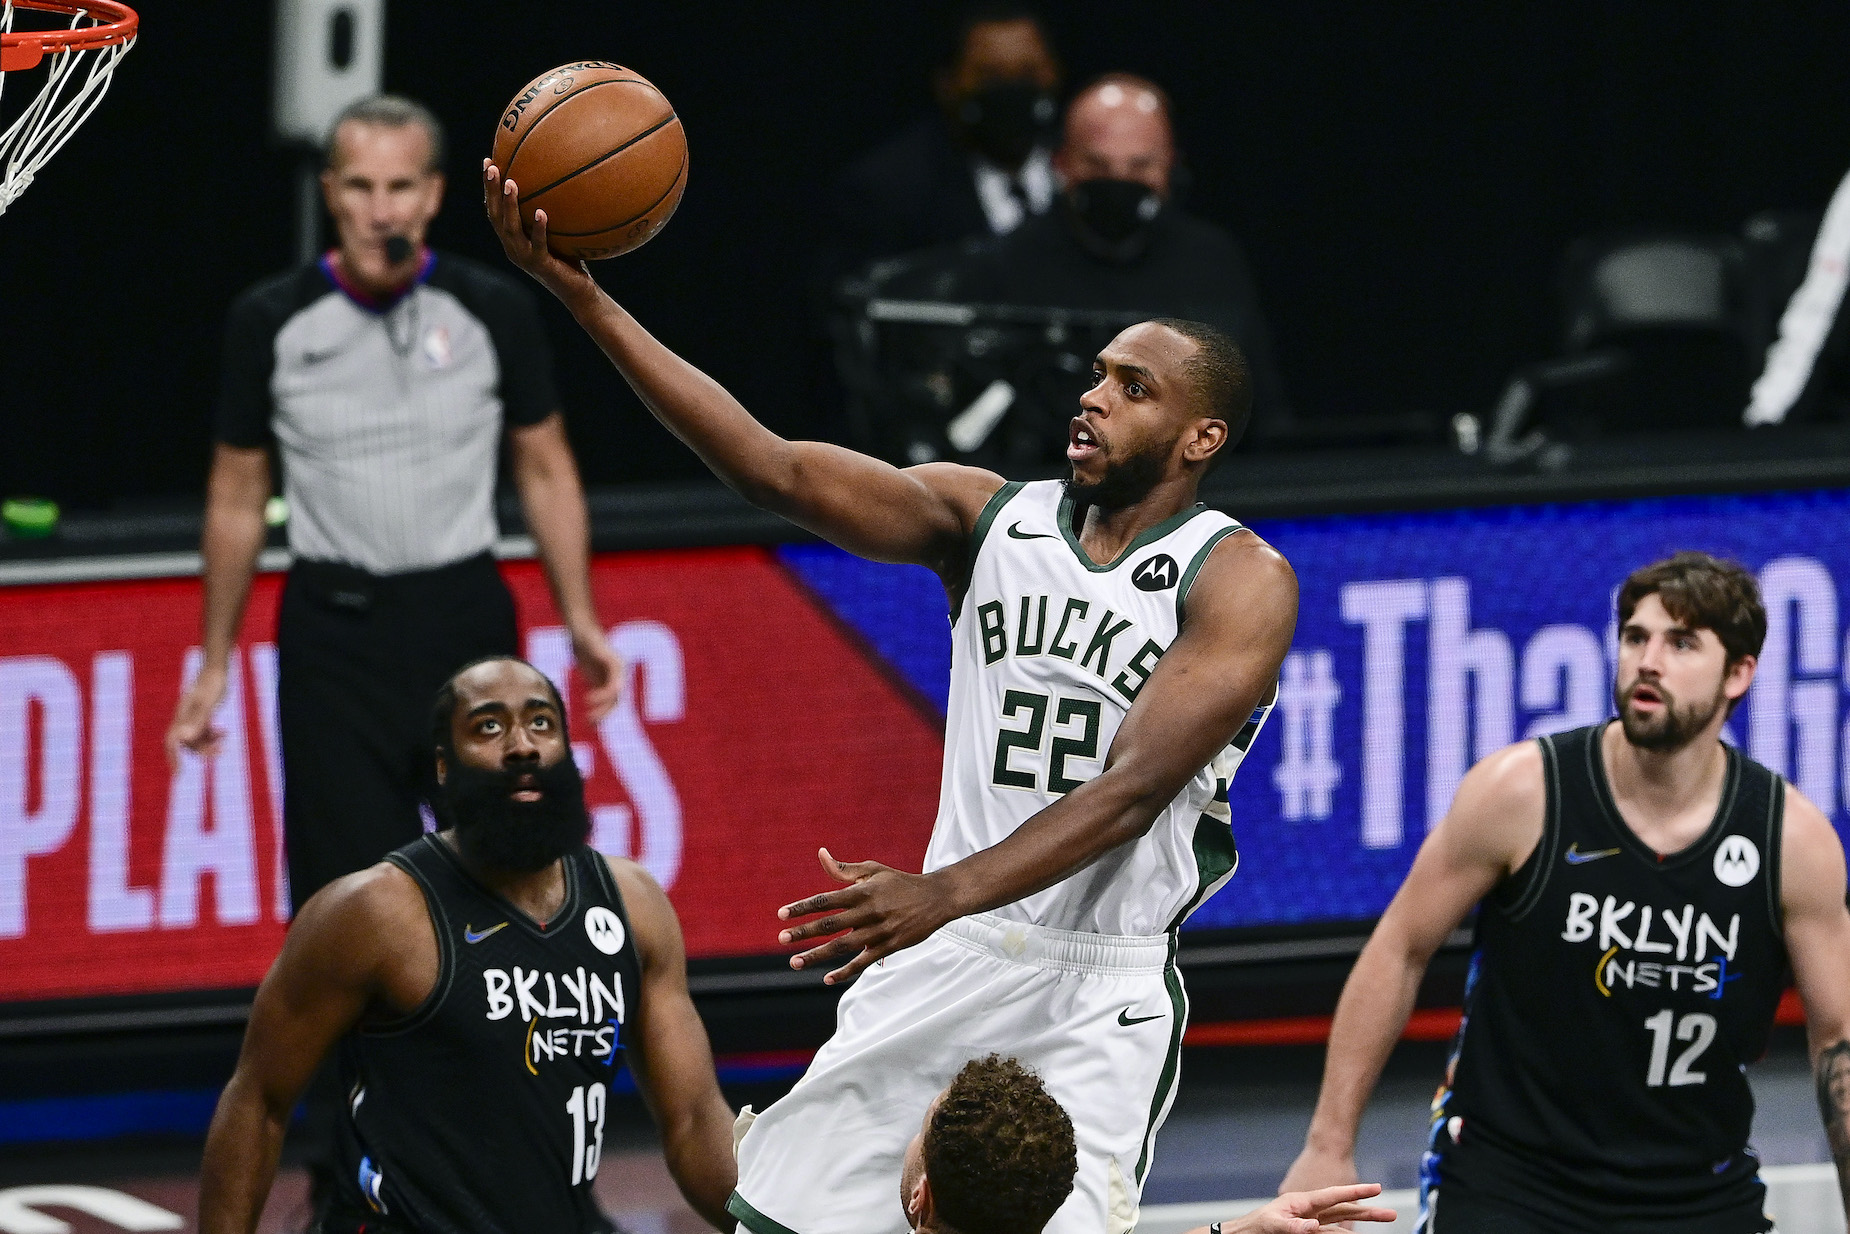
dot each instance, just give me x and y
(586, 1106)
(1697, 1028)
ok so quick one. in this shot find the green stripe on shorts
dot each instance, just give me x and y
(752, 1219)
(1172, 1062)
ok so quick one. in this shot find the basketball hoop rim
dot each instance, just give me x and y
(116, 23)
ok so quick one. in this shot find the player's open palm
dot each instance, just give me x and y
(526, 246)
(1306, 1212)
(882, 909)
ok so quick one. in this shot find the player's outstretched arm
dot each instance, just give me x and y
(1307, 1212)
(1495, 821)
(666, 1049)
(1818, 941)
(317, 989)
(1240, 616)
(920, 515)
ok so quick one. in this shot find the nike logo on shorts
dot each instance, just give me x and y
(1016, 533)
(470, 936)
(1127, 1019)
(1577, 858)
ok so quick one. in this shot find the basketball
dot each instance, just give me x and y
(598, 148)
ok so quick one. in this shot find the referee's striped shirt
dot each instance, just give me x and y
(387, 417)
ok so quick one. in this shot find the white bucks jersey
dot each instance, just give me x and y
(1049, 651)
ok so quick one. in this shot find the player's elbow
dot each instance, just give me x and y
(770, 476)
(1399, 946)
(767, 491)
(247, 1107)
(1141, 800)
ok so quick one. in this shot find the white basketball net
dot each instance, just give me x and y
(74, 84)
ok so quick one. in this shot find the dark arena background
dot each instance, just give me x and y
(1409, 184)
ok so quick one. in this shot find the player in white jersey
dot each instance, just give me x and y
(1116, 647)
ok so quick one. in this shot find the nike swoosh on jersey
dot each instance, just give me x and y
(1126, 1019)
(1577, 858)
(1016, 533)
(470, 936)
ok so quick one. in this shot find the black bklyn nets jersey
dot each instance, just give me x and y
(482, 1112)
(1613, 1004)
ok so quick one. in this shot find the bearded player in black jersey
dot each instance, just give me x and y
(484, 984)
(1642, 890)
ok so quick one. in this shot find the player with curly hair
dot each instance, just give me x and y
(996, 1155)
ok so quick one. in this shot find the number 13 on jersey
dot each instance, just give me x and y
(586, 1106)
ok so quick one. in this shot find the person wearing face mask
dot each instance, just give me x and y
(484, 985)
(1116, 240)
(979, 167)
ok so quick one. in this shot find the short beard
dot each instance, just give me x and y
(497, 832)
(1124, 483)
(1671, 730)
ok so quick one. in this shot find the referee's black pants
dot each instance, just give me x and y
(360, 660)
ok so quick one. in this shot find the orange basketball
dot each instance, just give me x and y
(600, 150)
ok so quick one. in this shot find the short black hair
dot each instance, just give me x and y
(392, 111)
(1222, 377)
(999, 1150)
(443, 708)
(967, 17)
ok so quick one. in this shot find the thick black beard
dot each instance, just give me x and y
(1124, 483)
(1677, 728)
(497, 832)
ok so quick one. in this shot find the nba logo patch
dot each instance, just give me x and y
(437, 347)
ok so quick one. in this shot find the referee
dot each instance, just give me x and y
(384, 375)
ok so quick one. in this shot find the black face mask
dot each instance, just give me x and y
(1112, 218)
(494, 830)
(1005, 121)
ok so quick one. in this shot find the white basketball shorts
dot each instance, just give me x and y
(1098, 1017)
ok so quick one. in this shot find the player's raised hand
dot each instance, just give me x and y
(882, 909)
(526, 246)
(1307, 1212)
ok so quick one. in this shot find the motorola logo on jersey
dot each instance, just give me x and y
(1158, 573)
(1737, 860)
(605, 930)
